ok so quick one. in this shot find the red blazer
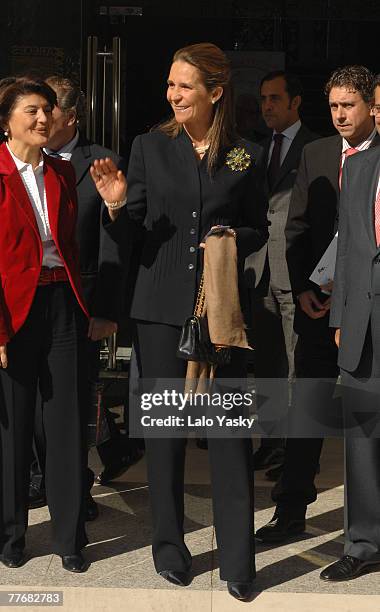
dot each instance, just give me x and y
(20, 241)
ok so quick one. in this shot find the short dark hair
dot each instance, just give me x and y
(376, 81)
(70, 97)
(15, 88)
(293, 85)
(354, 78)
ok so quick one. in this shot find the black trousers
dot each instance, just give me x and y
(230, 464)
(314, 358)
(48, 350)
(273, 339)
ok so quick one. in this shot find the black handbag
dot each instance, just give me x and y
(194, 343)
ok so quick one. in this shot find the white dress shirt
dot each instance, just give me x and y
(33, 180)
(66, 151)
(363, 146)
(289, 135)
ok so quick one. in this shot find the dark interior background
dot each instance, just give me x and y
(316, 36)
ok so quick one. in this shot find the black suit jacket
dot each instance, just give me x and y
(174, 199)
(312, 222)
(98, 238)
(357, 257)
(269, 264)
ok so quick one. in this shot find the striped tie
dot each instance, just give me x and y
(345, 154)
(377, 219)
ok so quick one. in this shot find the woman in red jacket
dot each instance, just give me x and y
(43, 326)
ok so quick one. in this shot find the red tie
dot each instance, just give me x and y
(377, 219)
(345, 154)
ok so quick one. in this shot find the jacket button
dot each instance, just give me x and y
(195, 214)
(369, 295)
(190, 266)
(192, 249)
(192, 231)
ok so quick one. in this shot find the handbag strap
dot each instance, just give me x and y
(201, 297)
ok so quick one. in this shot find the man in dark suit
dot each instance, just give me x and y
(266, 272)
(99, 252)
(311, 225)
(355, 313)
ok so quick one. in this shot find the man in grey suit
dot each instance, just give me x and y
(311, 225)
(355, 312)
(266, 272)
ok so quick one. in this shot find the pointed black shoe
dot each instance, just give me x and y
(13, 560)
(346, 568)
(113, 471)
(75, 563)
(177, 578)
(243, 591)
(282, 527)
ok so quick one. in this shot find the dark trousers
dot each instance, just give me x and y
(361, 402)
(273, 339)
(231, 472)
(314, 358)
(48, 350)
(37, 467)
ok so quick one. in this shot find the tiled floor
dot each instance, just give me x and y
(122, 576)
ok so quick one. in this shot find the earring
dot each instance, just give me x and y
(213, 101)
(5, 133)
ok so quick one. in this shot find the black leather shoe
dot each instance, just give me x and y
(178, 578)
(243, 591)
(275, 472)
(75, 563)
(282, 527)
(346, 568)
(265, 457)
(115, 470)
(13, 560)
(37, 497)
(92, 510)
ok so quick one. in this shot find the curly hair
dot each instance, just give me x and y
(354, 78)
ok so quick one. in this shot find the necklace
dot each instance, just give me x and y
(202, 148)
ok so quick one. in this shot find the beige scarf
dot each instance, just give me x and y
(222, 305)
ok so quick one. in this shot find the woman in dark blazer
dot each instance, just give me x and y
(184, 178)
(43, 326)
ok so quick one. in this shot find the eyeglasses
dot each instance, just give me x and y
(375, 110)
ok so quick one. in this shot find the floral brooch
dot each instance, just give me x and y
(238, 159)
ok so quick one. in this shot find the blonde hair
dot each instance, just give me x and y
(215, 71)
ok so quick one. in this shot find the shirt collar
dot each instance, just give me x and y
(363, 145)
(291, 131)
(67, 150)
(21, 165)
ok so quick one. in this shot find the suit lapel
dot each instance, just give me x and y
(369, 177)
(189, 162)
(81, 160)
(53, 197)
(291, 160)
(333, 155)
(16, 186)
